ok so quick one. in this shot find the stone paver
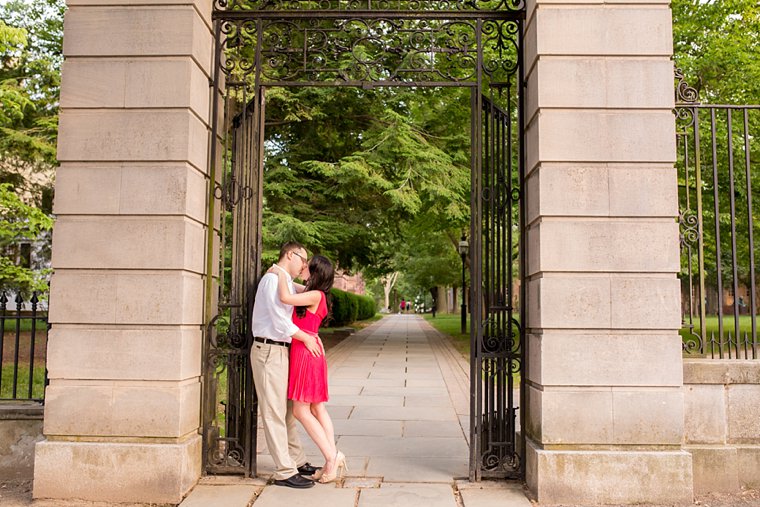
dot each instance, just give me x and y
(319, 495)
(424, 447)
(399, 403)
(433, 429)
(405, 469)
(220, 496)
(408, 495)
(404, 413)
(370, 428)
(490, 495)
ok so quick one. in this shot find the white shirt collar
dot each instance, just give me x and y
(290, 278)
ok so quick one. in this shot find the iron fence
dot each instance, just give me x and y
(23, 346)
(718, 146)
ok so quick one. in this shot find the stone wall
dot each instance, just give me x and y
(721, 423)
(122, 411)
(20, 429)
(603, 368)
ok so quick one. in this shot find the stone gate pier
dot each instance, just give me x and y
(605, 374)
(122, 408)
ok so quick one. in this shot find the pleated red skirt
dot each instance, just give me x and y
(307, 378)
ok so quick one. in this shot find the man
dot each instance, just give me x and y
(273, 329)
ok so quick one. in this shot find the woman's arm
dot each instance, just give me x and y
(308, 298)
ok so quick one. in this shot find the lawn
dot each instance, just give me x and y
(22, 382)
(711, 327)
(450, 324)
(26, 324)
(711, 323)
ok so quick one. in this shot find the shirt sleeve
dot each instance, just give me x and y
(280, 313)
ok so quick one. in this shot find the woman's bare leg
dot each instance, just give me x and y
(313, 426)
(320, 413)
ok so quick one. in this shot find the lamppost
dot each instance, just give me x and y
(463, 248)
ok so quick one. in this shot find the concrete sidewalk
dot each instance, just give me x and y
(399, 398)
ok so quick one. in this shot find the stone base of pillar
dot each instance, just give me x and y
(609, 477)
(117, 472)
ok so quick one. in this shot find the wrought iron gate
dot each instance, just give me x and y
(497, 337)
(475, 44)
(718, 150)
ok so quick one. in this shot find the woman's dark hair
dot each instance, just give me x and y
(321, 277)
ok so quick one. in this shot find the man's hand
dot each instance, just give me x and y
(312, 342)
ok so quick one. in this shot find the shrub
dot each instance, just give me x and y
(348, 307)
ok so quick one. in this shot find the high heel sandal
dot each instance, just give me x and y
(338, 471)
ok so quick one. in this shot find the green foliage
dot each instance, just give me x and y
(19, 221)
(348, 307)
(717, 43)
(348, 169)
(31, 36)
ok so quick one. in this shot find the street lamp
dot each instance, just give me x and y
(463, 248)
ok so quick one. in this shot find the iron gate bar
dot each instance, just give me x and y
(750, 228)
(493, 439)
(734, 119)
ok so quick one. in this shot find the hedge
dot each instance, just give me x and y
(348, 307)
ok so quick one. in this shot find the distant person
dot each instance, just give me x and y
(401, 306)
(307, 382)
(273, 332)
(408, 306)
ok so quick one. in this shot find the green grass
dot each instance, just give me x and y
(22, 382)
(450, 324)
(711, 326)
(26, 325)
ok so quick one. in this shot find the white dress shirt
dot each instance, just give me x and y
(271, 317)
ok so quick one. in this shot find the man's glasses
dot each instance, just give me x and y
(305, 261)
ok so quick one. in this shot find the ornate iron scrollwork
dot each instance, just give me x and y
(263, 43)
(371, 5)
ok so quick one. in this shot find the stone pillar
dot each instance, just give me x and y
(122, 410)
(605, 373)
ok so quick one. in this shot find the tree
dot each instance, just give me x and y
(31, 37)
(19, 222)
(717, 43)
(30, 62)
(346, 168)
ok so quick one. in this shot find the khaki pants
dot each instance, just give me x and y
(270, 378)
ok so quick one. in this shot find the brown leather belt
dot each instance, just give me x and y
(270, 341)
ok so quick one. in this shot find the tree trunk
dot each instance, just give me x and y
(388, 282)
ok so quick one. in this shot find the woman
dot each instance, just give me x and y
(307, 380)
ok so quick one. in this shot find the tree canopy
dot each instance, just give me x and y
(376, 179)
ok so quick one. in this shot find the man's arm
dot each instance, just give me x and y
(283, 322)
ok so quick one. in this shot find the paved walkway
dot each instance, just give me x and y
(399, 399)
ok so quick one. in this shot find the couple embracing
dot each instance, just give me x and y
(289, 366)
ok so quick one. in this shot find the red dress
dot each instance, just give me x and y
(307, 378)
